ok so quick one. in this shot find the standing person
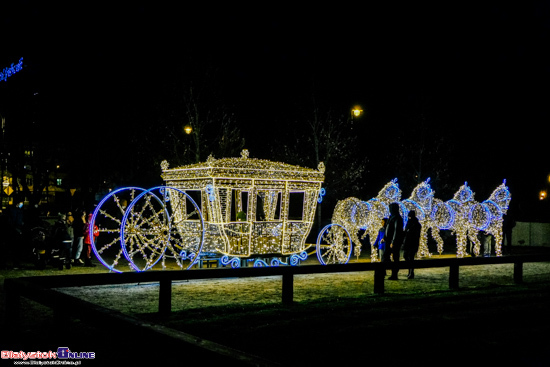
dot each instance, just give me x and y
(394, 237)
(508, 225)
(87, 241)
(70, 230)
(411, 242)
(78, 242)
(380, 243)
(486, 241)
(63, 240)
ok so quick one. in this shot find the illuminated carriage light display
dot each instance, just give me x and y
(462, 215)
(229, 209)
(235, 210)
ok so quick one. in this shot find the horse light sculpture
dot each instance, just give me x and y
(462, 215)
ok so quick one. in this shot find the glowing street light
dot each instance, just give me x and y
(188, 129)
(542, 195)
(356, 111)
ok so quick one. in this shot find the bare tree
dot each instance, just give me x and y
(334, 142)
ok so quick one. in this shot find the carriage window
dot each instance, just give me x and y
(296, 205)
(190, 208)
(239, 207)
(277, 214)
(260, 213)
(268, 205)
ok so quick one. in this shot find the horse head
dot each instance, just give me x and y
(501, 197)
(423, 195)
(464, 194)
(390, 192)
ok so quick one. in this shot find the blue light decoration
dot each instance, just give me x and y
(260, 263)
(295, 259)
(322, 193)
(210, 192)
(234, 261)
(11, 70)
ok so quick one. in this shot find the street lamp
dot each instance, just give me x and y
(356, 112)
(188, 129)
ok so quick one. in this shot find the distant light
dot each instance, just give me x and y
(542, 195)
(356, 111)
(188, 129)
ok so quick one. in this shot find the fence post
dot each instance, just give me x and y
(379, 275)
(453, 276)
(165, 296)
(288, 288)
(518, 272)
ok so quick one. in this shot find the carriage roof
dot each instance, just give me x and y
(242, 168)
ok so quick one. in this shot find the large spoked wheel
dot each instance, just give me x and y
(187, 229)
(334, 245)
(108, 217)
(158, 225)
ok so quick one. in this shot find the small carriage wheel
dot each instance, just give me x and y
(334, 245)
(157, 226)
(108, 217)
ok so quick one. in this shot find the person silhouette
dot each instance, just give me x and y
(394, 237)
(411, 241)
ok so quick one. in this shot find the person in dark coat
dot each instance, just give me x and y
(394, 236)
(62, 239)
(79, 225)
(411, 242)
(508, 225)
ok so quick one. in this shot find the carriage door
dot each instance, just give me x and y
(294, 227)
(238, 230)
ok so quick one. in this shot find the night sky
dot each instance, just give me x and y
(483, 68)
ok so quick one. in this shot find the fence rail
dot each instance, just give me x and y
(40, 289)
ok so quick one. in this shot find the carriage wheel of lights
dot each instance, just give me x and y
(108, 217)
(334, 245)
(162, 222)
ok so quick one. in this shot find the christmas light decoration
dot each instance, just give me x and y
(462, 215)
(242, 209)
(230, 209)
(356, 215)
(11, 70)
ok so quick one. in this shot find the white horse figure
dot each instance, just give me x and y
(432, 214)
(472, 217)
(464, 216)
(495, 207)
(463, 204)
(356, 215)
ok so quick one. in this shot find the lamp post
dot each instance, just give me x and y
(356, 112)
(188, 130)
